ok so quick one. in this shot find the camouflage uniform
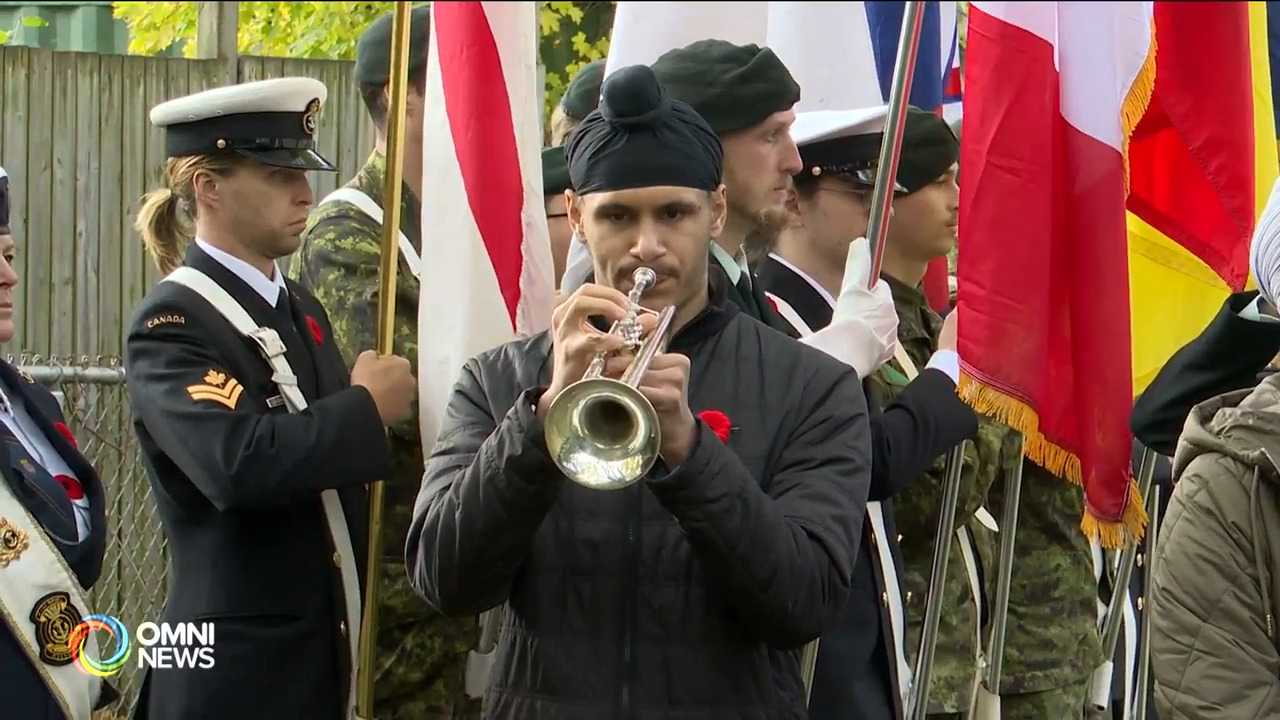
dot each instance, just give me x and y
(421, 655)
(915, 511)
(1052, 643)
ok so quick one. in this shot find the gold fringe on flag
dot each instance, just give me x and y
(1112, 534)
(1137, 100)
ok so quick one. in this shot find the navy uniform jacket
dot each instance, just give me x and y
(237, 484)
(25, 694)
(856, 673)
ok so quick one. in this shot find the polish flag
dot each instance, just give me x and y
(487, 274)
(1053, 92)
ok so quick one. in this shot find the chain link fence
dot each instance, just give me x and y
(133, 581)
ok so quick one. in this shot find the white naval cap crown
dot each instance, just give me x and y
(272, 121)
(279, 95)
(818, 125)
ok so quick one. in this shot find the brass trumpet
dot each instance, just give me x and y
(602, 433)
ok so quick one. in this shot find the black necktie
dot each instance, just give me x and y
(284, 308)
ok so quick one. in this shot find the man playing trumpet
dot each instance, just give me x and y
(691, 589)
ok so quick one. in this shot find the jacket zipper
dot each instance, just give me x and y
(630, 588)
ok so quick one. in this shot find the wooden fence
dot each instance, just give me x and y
(80, 151)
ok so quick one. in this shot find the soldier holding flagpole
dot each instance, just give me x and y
(339, 261)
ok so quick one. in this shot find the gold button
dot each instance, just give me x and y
(873, 539)
(337, 559)
(1139, 560)
(899, 538)
(909, 596)
(884, 599)
(1140, 603)
(342, 626)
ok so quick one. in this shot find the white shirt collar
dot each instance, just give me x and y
(268, 288)
(814, 283)
(735, 266)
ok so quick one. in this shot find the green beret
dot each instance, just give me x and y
(373, 50)
(583, 94)
(929, 149)
(733, 87)
(555, 171)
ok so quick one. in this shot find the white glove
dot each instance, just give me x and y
(864, 330)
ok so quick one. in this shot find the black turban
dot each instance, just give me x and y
(583, 94)
(555, 171)
(641, 137)
(4, 202)
(929, 149)
(733, 86)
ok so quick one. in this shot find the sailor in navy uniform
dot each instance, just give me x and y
(257, 440)
(862, 667)
(53, 535)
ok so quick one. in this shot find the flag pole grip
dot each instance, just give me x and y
(398, 81)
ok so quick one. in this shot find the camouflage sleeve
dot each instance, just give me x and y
(339, 263)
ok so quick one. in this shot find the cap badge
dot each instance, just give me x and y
(309, 117)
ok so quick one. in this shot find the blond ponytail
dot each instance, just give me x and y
(166, 214)
(163, 229)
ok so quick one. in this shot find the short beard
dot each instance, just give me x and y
(769, 224)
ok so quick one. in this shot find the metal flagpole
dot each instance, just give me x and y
(904, 70)
(986, 697)
(1143, 673)
(1100, 682)
(398, 92)
(881, 197)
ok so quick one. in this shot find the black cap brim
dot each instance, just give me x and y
(297, 159)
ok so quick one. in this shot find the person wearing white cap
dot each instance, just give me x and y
(53, 537)
(862, 667)
(257, 440)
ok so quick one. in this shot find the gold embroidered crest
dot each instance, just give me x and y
(13, 542)
(54, 617)
(309, 117)
(217, 387)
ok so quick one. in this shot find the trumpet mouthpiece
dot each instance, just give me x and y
(645, 276)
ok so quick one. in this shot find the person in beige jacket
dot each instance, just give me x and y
(1213, 604)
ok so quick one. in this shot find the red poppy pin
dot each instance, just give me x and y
(718, 422)
(71, 485)
(316, 333)
(62, 428)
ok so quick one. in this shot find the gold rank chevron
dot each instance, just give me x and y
(219, 388)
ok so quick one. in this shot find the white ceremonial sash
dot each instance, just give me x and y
(41, 601)
(789, 314)
(367, 206)
(273, 350)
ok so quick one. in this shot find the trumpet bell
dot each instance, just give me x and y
(602, 433)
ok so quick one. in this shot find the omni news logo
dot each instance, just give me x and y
(162, 646)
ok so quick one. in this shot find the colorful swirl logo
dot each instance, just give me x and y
(108, 664)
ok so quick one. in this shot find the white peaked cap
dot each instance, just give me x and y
(290, 94)
(271, 121)
(819, 125)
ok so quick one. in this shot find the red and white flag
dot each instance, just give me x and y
(1053, 94)
(487, 275)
